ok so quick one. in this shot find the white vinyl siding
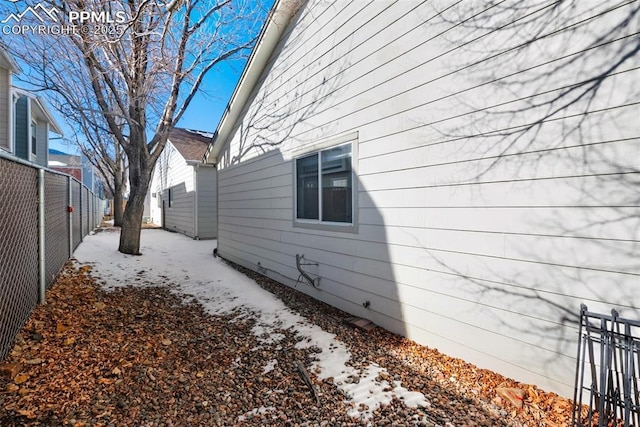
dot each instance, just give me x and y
(207, 202)
(42, 137)
(173, 174)
(176, 185)
(479, 246)
(6, 106)
(179, 213)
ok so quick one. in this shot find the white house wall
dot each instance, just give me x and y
(6, 103)
(207, 202)
(153, 200)
(173, 173)
(42, 141)
(472, 238)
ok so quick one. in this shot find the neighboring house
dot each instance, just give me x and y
(92, 178)
(25, 120)
(32, 124)
(66, 163)
(182, 195)
(422, 169)
(7, 68)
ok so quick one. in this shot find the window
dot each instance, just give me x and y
(34, 139)
(170, 197)
(324, 186)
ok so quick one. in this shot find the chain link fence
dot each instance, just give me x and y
(31, 199)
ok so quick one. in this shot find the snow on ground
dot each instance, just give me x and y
(270, 366)
(171, 258)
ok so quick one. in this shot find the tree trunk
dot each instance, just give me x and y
(119, 179)
(139, 179)
(118, 203)
(131, 227)
(132, 217)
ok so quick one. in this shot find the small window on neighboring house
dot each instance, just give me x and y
(170, 197)
(34, 139)
(324, 187)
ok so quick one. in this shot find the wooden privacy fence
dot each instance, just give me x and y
(44, 215)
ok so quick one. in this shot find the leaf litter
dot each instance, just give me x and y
(149, 354)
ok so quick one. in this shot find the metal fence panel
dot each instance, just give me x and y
(86, 226)
(18, 248)
(77, 213)
(96, 209)
(20, 267)
(56, 189)
(607, 388)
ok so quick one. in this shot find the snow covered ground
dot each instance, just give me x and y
(189, 265)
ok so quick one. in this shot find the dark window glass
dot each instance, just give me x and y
(34, 140)
(307, 187)
(336, 184)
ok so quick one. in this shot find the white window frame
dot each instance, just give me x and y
(12, 131)
(317, 149)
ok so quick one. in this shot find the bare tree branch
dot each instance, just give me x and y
(133, 85)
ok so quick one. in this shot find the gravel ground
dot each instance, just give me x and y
(152, 357)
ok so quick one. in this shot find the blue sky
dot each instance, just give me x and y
(203, 113)
(206, 108)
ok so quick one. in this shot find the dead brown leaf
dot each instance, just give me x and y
(21, 378)
(29, 413)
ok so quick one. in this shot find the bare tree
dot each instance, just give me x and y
(136, 66)
(105, 155)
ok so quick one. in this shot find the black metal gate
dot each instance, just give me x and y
(608, 371)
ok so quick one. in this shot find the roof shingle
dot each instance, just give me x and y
(191, 144)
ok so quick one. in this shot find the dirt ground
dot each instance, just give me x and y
(152, 357)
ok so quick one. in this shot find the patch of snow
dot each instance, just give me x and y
(256, 411)
(270, 366)
(201, 133)
(223, 290)
(236, 362)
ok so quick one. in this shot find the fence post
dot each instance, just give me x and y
(70, 210)
(81, 205)
(41, 237)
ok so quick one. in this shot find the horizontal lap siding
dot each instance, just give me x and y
(481, 245)
(207, 203)
(179, 216)
(177, 176)
(21, 129)
(42, 150)
(5, 112)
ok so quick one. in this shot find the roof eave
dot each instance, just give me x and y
(11, 64)
(46, 113)
(275, 25)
